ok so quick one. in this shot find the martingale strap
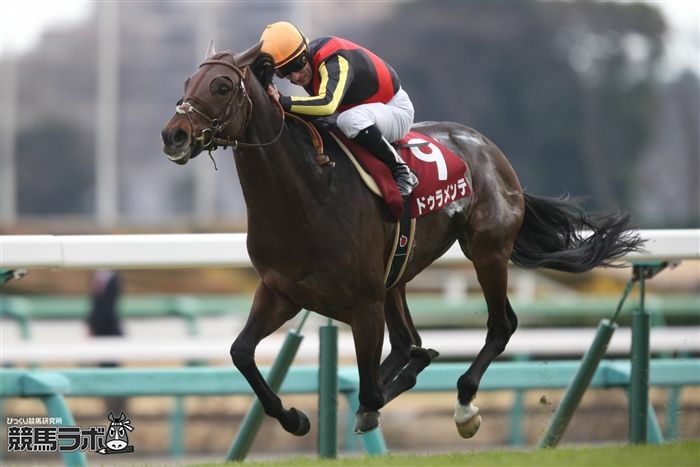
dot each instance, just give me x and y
(316, 140)
(401, 251)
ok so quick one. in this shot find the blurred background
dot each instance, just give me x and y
(587, 98)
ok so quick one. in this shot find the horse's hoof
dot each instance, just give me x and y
(366, 422)
(467, 419)
(426, 354)
(470, 427)
(300, 423)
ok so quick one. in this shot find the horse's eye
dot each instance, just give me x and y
(220, 86)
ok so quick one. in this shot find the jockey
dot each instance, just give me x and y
(344, 78)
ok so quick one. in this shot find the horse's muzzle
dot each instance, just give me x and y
(177, 145)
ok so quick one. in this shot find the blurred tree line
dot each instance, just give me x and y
(570, 91)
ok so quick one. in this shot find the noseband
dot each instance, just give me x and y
(209, 137)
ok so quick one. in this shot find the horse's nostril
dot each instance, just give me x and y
(178, 137)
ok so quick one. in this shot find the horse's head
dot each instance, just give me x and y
(215, 107)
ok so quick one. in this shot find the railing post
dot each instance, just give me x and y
(672, 411)
(578, 386)
(639, 379)
(178, 417)
(328, 391)
(56, 407)
(516, 412)
(50, 387)
(350, 440)
(654, 434)
(640, 355)
(183, 307)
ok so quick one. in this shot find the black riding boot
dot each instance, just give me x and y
(371, 139)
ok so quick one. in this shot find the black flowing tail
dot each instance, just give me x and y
(558, 234)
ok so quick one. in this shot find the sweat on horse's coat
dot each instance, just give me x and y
(319, 239)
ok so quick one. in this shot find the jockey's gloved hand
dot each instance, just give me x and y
(327, 123)
(273, 92)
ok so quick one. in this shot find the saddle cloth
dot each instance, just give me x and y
(442, 174)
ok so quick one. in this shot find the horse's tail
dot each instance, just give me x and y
(557, 234)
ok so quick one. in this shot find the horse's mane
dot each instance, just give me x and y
(264, 69)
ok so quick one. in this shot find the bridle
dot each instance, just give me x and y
(209, 137)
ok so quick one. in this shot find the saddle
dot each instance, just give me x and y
(444, 177)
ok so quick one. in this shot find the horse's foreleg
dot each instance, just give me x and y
(368, 335)
(269, 311)
(492, 272)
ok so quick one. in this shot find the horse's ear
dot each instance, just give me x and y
(210, 50)
(247, 57)
(110, 417)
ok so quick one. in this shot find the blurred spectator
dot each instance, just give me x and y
(104, 320)
(104, 316)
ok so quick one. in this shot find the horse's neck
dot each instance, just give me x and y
(279, 181)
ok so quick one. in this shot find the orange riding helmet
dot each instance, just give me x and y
(287, 46)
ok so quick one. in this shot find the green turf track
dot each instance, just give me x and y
(670, 454)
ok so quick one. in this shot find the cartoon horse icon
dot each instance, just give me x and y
(116, 438)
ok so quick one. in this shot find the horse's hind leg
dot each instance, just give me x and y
(407, 358)
(402, 334)
(490, 256)
(269, 311)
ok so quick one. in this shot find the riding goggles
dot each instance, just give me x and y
(294, 65)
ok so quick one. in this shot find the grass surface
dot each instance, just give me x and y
(672, 455)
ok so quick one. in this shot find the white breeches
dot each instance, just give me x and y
(393, 119)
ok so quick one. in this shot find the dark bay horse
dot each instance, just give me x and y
(319, 239)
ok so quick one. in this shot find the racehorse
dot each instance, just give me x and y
(319, 239)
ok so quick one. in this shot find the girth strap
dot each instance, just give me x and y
(401, 251)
